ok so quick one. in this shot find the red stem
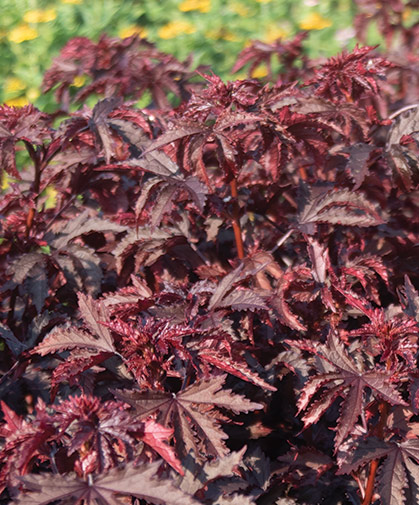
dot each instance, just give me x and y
(369, 490)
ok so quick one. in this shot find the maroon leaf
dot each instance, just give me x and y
(187, 412)
(26, 123)
(140, 482)
(339, 207)
(346, 380)
(397, 471)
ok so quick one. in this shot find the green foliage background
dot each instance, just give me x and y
(32, 32)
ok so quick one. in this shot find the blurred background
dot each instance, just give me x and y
(32, 32)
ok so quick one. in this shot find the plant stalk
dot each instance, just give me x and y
(369, 490)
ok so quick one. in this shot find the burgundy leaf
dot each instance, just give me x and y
(191, 406)
(347, 381)
(140, 482)
(339, 207)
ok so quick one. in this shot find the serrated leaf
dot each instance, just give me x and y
(140, 482)
(410, 299)
(357, 163)
(81, 267)
(191, 407)
(396, 470)
(60, 339)
(22, 266)
(342, 207)
(235, 365)
(346, 380)
(94, 313)
(98, 123)
(243, 299)
(198, 477)
(84, 223)
(224, 287)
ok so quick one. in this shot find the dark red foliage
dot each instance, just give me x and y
(215, 302)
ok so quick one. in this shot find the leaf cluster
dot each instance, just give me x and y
(215, 302)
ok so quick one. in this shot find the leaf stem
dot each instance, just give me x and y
(236, 219)
(369, 490)
(370, 483)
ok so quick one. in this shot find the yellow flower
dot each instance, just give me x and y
(40, 16)
(20, 101)
(5, 181)
(264, 1)
(314, 21)
(128, 31)
(51, 201)
(79, 81)
(32, 94)
(14, 84)
(22, 33)
(175, 28)
(260, 71)
(274, 32)
(72, 2)
(195, 5)
(240, 9)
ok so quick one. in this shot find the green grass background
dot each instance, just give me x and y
(215, 31)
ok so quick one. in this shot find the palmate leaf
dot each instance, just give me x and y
(235, 365)
(81, 267)
(169, 180)
(241, 299)
(84, 223)
(69, 338)
(338, 207)
(23, 123)
(198, 477)
(351, 75)
(398, 476)
(140, 482)
(191, 412)
(98, 124)
(346, 380)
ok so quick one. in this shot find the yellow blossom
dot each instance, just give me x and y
(260, 71)
(5, 181)
(51, 201)
(240, 9)
(20, 101)
(314, 21)
(22, 33)
(79, 81)
(72, 2)
(195, 5)
(175, 28)
(32, 94)
(128, 31)
(264, 1)
(14, 84)
(40, 16)
(274, 32)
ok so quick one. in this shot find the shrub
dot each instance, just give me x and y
(216, 302)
